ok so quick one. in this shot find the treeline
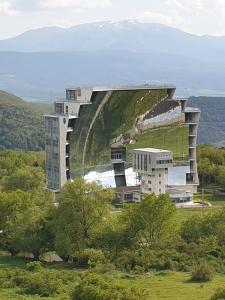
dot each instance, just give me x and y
(211, 165)
(21, 124)
(81, 227)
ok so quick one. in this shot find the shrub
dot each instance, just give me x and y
(219, 295)
(45, 283)
(202, 273)
(6, 278)
(90, 258)
(34, 266)
(105, 268)
(95, 287)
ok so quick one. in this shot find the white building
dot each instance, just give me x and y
(152, 166)
(58, 129)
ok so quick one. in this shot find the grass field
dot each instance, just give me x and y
(209, 197)
(161, 285)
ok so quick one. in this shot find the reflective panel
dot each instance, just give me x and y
(127, 119)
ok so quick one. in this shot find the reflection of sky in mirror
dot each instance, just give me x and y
(176, 176)
(170, 115)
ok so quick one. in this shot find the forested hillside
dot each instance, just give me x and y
(21, 124)
(212, 122)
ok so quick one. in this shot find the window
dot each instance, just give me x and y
(159, 175)
(141, 163)
(48, 142)
(55, 143)
(135, 162)
(116, 156)
(59, 108)
(149, 159)
(67, 110)
(159, 182)
(138, 161)
(55, 156)
(149, 182)
(71, 94)
(145, 162)
(160, 190)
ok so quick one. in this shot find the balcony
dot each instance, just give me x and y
(118, 155)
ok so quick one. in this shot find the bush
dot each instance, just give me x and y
(105, 268)
(6, 278)
(202, 273)
(45, 283)
(219, 295)
(34, 266)
(95, 287)
(90, 258)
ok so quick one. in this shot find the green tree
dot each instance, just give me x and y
(82, 208)
(25, 179)
(152, 222)
(24, 222)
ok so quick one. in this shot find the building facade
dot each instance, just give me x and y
(152, 166)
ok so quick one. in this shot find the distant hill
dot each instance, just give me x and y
(212, 121)
(21, 124)
(45, 75)
(122, 35)
(41, 63)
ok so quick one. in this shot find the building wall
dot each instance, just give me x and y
(52, 142)
(154, 183)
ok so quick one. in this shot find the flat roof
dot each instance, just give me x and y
(192, 109)
(152, 150)
(125, 87)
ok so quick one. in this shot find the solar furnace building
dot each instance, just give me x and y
(96, 129)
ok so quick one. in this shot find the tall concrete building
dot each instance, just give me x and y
(152, 166)
(96, 129)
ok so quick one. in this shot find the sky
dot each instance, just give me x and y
(195, 16)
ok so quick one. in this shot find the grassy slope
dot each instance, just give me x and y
(21, 123)
(163, 285)
(172, 138)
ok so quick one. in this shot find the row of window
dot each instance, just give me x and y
(116, 156)
(149, 182)
(163, 162)
(181, 200)
(138, 161)
(72, 94)
(59, 108)
(160, 190)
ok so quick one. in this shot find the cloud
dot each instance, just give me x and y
(5, 9)
(150, 16)
(79, 4)
(155, 17)
(195, 16)
(31, 5)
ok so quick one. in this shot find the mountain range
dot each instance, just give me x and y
(41, 63)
